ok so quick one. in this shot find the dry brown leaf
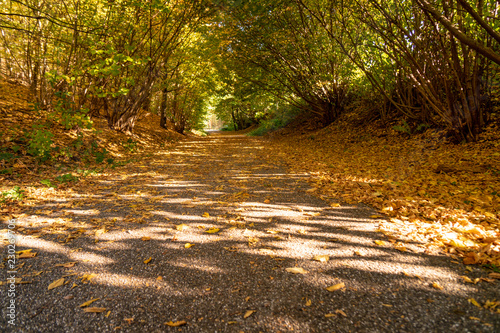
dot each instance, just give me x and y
(341, 312)
(28, 255)
(94, 310)
(436, 285)
(176, 324)
(336, 287)
(181, 227)
(322, 258)
(494, 275)
(296, 270)
(248, 314)
(66, 265)
(56, 283)
(89, 302)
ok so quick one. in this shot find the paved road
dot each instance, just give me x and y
(129, 235)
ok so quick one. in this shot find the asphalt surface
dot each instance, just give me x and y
(128, 234)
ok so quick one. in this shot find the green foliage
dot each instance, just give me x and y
(40, 142)
(404, 127)
(267, 126)
(14, 194)
(48, 183)
(66, 178)
(130, 145)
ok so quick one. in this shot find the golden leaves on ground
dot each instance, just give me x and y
(145, 238)
(296, 270)
(337, 286)
(147, 260)
(380, 242)
(212, 230)
(56, 283)
(188, 245)
(443, 196)
(206, 215)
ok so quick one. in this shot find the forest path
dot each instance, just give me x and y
(202, 236)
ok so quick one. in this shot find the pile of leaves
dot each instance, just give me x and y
(440, 195)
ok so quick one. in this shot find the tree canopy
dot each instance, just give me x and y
(434, 63)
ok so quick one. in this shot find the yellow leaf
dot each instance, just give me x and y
(375, 216)
(358, 253)
(147, 260)
(466, 279)
(341, 312)
(188, 245)
(400, 248)
(206, 215)
(94, 310)
(159, 278)
(474, 318)
(296, 270)
(248, 314)
(267, 201)
(436, 285)
(27, 255)
(380, 242)
(89, 302)
(56, 283)
(74, 286)
(212, 230)
(145, 238)
(336, 286)
(67, 265)
(181, 227)
(176, 324)
(107, 314)
(329, 315)
(334, 205)
(308, 302)
(474, 302)
(323, 258)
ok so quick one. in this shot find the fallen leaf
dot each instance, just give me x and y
(475, 318)
(336, 286)
(176, 324)
(212, 230)
(494, 275)
(308, 302)
(379, 242)
(436, 285)
(267, 201)
(341, 312)
(94, 310)
(107, 314)
(188, 245)
(206, 215)
(466, 279)
(359, 253)
(27, 255)
(89, 302)
(296, 270)
(329, 315)
(67, 265)
(145, 238)
(147, 260)
(322, 258)
(181, 227)
(375, 216)
(248, 314)
(129, 320)
(474, 302)
(56, 283)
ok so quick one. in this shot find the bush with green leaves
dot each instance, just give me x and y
(14, 194)
(40, 142)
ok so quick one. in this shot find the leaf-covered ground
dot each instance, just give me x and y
(443, 196)
(238, 234)
(215, 235)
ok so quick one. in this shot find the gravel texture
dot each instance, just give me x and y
(268, 221)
